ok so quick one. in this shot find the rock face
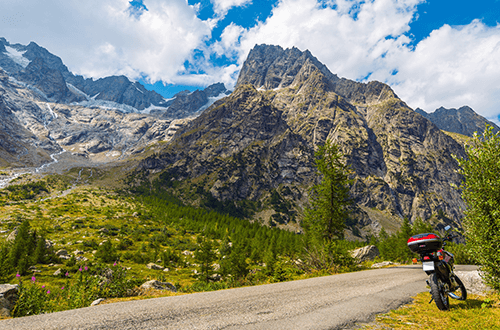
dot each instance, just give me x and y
(366, 253)
(186, 104)
(257, 144)
(33, 131)
(463, 121)
(8, 297)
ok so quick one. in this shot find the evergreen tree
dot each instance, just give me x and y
(324, 221)
(205, 256)
(481, 191)
(330, 199)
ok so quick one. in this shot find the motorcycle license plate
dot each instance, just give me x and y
(428, 265)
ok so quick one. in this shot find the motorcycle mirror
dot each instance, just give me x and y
(447, 228)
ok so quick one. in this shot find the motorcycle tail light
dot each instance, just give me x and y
(427, 258)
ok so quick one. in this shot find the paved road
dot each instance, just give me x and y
(331, 302)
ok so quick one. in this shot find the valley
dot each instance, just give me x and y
(206, 190)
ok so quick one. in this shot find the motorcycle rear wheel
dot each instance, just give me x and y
(461, 287)
(438, 292)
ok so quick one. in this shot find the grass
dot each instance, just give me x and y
(477, 312)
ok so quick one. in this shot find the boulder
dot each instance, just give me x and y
(12, 235)
(62, 252)
(8, 297)
(366, 253)
(157, 285)
(473, 282)
(382, 264)
(97, 302)
(154, 266)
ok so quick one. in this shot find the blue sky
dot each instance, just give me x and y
(432, 53)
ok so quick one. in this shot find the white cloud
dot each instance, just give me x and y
(350, 39)
(221, 7)
(454, 66)
(99, 37)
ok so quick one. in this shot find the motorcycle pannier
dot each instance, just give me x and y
(424, 243)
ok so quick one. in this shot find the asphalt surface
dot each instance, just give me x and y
(330, 302)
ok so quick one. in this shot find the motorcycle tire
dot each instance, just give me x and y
(438, 293)
(461, 287)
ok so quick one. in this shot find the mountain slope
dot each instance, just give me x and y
(463, 120)
(259, 142)
(38, 68)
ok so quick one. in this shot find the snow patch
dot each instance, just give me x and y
(212, 100)
(17, 56)
(107, 105)
(152, 107)
(139, 90)
(77, 91)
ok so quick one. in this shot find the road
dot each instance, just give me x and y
(330, 302)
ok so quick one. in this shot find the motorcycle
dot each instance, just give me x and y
(439, 265)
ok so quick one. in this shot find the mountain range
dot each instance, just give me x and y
(249, 151)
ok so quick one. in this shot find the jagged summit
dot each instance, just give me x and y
(464, 120)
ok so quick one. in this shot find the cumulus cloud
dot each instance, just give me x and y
(452, 67)
(221, 7)
(101, 37)
(367, 40)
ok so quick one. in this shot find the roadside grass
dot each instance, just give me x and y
(477, 312)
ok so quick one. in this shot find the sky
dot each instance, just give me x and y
(433, 53)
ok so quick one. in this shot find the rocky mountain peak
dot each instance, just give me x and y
(464, 120)
(271, 67)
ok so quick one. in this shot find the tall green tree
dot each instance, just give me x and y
(205, 256)
(329, 199)
(481, 191)
(324, 221)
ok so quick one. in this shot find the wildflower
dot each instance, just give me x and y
(86, 268)
(62, 288)
(67, 274)
(80, 269)
(33, 278)
(43, 286)
(114, 264)
(17, 275)
(48, 291)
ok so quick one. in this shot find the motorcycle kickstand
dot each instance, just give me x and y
(432, 298)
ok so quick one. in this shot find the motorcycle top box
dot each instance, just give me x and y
(425, 243)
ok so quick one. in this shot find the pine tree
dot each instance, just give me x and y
(205, 256)
(330, 199)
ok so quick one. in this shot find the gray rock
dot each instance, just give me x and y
(12, 235)
(366, 253)
(97, 302)
(157, 285)
(382, 264)
(62, 252)
(8, 297)
(155, 266)
(473, 282)
(57, 272)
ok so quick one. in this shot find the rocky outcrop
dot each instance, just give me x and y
(8, 298)
(366, 253)
(463, 120)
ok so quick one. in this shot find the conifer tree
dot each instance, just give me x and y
(205, 256)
